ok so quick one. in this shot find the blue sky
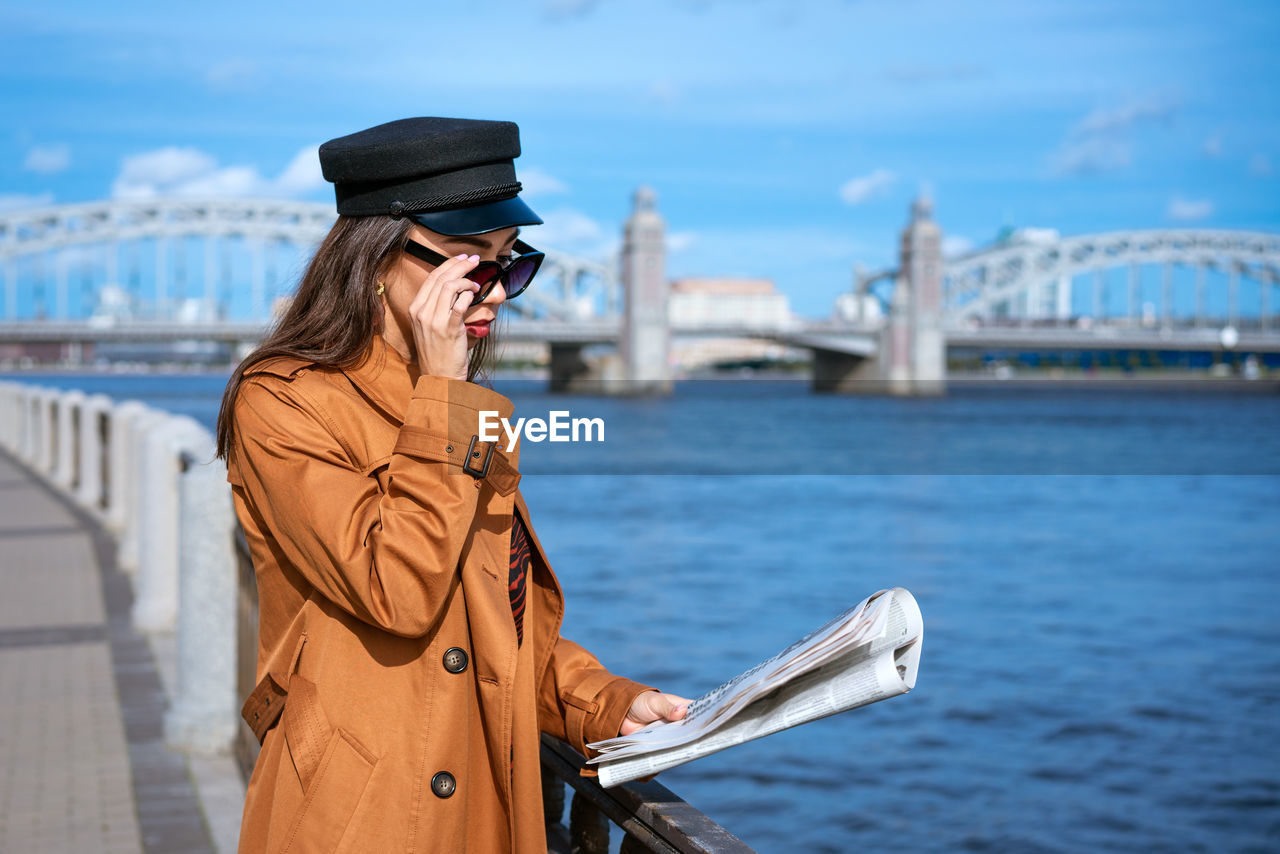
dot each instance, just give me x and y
(784, 139)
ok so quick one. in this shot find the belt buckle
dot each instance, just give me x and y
(477, 473)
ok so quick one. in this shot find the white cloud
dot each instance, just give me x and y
(866, 187)
(571, 226)
(574, 232)
(1213, 145)
(1185, 210)
(1092, 155)
(48, 159)
(1103, 140)
(303, 174)
(1260, 166)
(536, 182)
(1034, 234)
(174, 171)
(154, 173)
(231, 181)
(18, 201)
(1124, 117)
(954, 245)
(679, 241)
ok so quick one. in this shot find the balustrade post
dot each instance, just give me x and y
(46, 450)
(30, 424)
(204, 716)
(133, 532)
(92, 446)
(155, 606)
(6, 416)
(120, 469)
(64, 467)
(10, 417)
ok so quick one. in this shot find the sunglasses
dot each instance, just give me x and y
(515, 275)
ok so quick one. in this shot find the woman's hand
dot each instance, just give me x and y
(439, 335)
(653, 706)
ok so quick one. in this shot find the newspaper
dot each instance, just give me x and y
(868, 653)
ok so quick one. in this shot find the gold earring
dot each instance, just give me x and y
(382, 287)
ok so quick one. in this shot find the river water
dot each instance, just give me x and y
(1098, 572)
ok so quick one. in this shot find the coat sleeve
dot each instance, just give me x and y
(580, 701)
(390, 559)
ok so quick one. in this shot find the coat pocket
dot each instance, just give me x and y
(332, 766)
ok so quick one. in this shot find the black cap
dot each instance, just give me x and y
(453, 176)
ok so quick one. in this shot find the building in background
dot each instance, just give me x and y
(729, 303)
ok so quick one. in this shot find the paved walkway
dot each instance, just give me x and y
(83, 767)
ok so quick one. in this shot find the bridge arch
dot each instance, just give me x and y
(41, 248)
(1031, 276)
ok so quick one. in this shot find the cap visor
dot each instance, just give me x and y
(478, 219)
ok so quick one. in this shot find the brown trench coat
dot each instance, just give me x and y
(376, 554)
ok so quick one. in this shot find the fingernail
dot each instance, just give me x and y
(462, 257)
(474, 258)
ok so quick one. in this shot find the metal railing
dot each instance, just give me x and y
(651, 816)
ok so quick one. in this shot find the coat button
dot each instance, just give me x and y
(455, 660)
(443, 784)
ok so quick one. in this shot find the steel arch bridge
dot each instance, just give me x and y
(109, 247)
(1032, 277)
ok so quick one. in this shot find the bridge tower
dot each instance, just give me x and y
(646, 339)
(915, 351)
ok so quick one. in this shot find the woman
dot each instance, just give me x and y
(409, 649)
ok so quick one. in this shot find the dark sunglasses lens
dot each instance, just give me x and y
(484, 273)
(520, 274)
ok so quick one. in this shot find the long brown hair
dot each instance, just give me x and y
(336, 312)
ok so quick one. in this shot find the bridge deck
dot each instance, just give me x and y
(82, 762)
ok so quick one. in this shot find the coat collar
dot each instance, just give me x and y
(384, 377)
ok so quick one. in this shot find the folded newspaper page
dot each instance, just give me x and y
(868, 653)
